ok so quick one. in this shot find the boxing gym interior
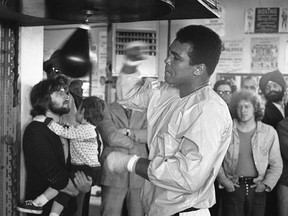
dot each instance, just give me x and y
(31, 30)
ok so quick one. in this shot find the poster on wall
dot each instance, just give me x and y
(286, 58)
(266, 20)
(264, 54)
(283, 21)
(231, 59)
(249, 20)
(102, 49)
(99, 70)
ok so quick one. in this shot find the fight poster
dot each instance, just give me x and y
(264, 54)
(266, 20)
(231, 59)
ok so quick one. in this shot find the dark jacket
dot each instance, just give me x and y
(282, 130)
(44, 162)
(272, 115)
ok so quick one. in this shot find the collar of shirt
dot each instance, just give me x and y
(280, 108)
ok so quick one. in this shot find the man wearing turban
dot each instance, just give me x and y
(273, 86)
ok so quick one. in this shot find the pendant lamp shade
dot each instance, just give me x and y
(74, 59)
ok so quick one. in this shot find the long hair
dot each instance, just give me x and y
(40, 95)
(248, 96)
(93, 109)
(205, 44)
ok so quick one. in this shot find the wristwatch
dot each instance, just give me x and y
(128, 132)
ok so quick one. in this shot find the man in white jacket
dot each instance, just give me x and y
(189, 129)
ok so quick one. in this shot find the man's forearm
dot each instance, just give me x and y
(139, 166)
(70, 189)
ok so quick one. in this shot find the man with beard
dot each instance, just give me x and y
(52, 69)
(46, 155)
(273, 86)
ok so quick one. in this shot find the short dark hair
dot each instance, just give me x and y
(205, 44)
(249, 96)
(40, 95)
(76, 82)
(225, 82)
(94, 109)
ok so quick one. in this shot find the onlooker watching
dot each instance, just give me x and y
(46, 155)
(84, 148)
(249, 83)
(76, 87)
(273, 86)
(253, 164)
(124, 130)
(52, 69)
(282, 188)
(224, 89)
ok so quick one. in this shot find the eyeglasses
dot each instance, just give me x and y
(55, 70)
(221, 93)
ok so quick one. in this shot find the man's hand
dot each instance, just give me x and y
(230, 186)
(122, 131)
(82, 182)
(117, 162)
(70, 189)
(259, 187)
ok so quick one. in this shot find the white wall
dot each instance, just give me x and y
(30, 70)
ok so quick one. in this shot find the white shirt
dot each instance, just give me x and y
(280, 108)
(188, 138)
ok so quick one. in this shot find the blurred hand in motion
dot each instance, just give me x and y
(117, 162)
